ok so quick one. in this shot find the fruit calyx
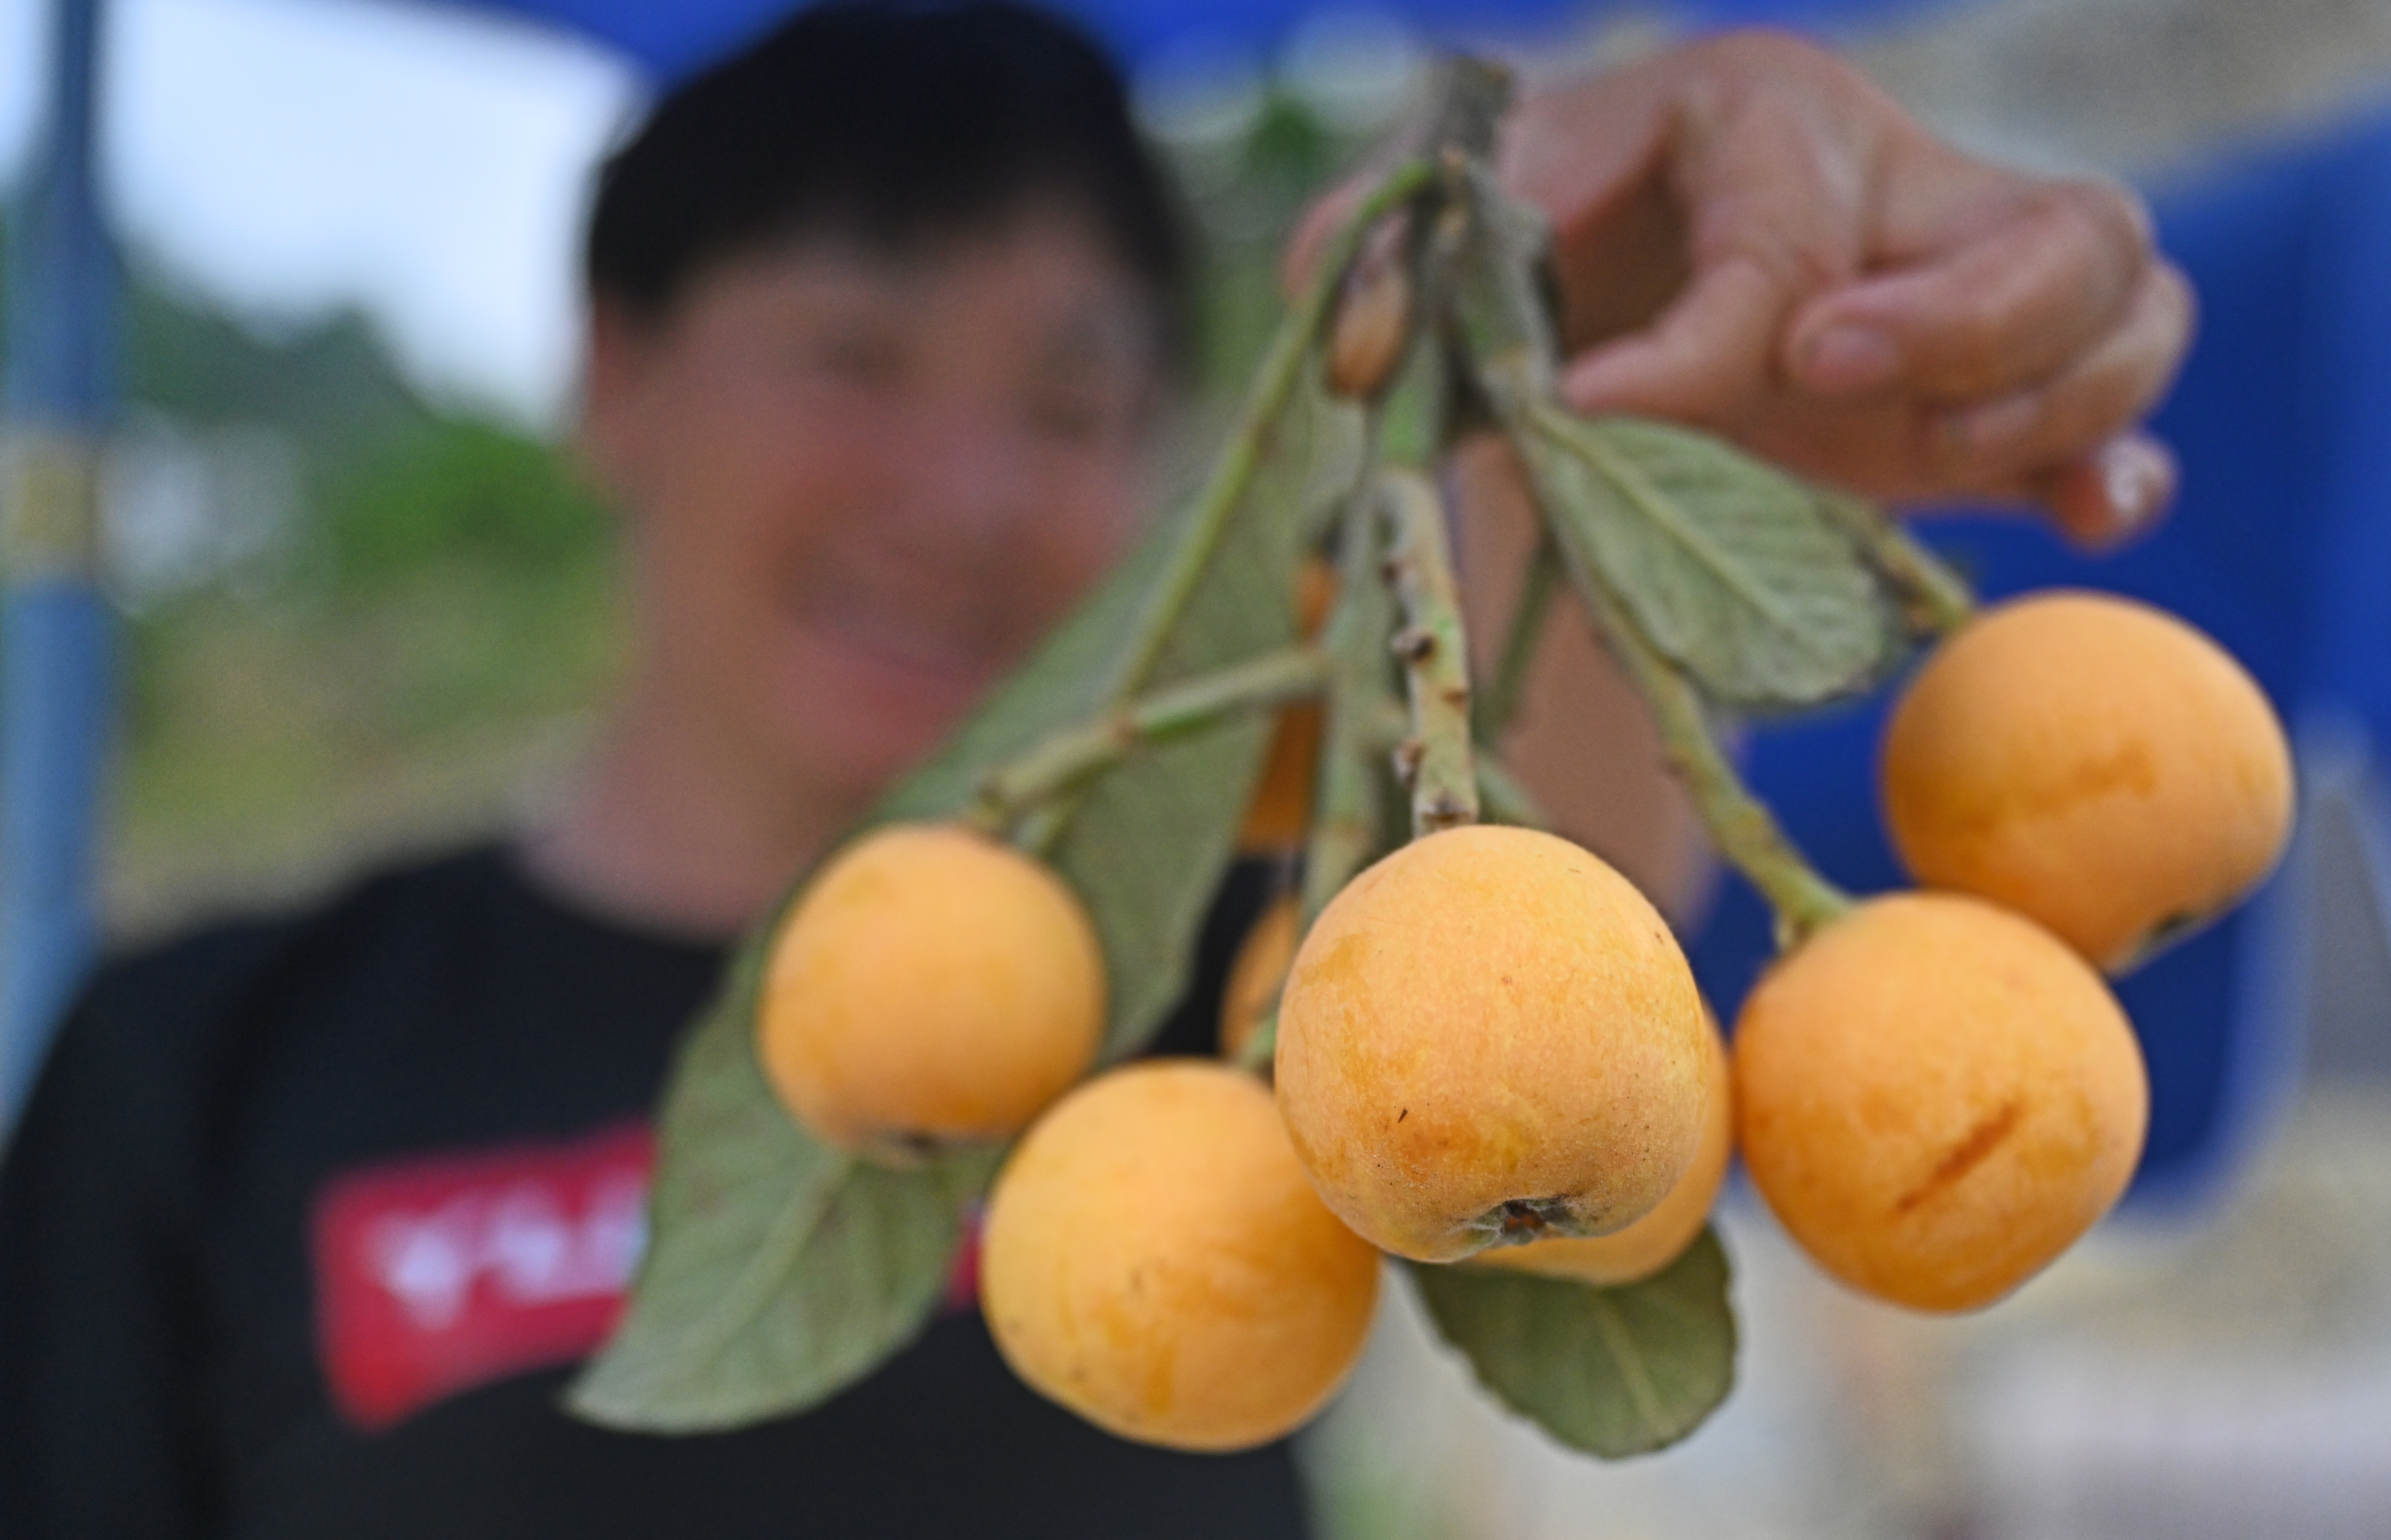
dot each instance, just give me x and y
(1517, 1221)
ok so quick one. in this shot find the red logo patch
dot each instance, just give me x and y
(437, 1273)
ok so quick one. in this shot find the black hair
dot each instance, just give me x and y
(904, 124)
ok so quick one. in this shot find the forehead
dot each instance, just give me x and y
(1042, 273)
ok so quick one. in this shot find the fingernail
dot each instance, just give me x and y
(1849, 357)
(2137, 478)
(1986, 428)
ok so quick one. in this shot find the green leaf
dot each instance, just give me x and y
(1745, 577)
(1147, 846)
(1612, 1371)
(1749, 579)
(778, 1272)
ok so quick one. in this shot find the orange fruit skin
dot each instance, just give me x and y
(1154, 1260)
(1256, 971)
(931, 986)
(1280, 815)
(1489, 1034)
(1660, 1237)
(2092, 762)
(1937, 1096)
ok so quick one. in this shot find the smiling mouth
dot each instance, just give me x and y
(955, 649)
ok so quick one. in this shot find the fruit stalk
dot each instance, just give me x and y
(1436, 758)
(1512, 349)
(1499, 701)
(1345, 832)
(1935, 597)
(1062, 762)
(1233, 471)
(1740, 823)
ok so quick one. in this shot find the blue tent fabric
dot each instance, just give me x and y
(671, 41)
(2280, 547)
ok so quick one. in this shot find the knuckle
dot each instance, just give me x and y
(1791, 268)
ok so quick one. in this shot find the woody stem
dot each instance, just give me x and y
(1067, 760)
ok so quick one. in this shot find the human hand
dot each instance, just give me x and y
(1752, 237)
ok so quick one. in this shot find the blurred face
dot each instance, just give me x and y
(860, 487)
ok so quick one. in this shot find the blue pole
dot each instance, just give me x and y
(59, 353)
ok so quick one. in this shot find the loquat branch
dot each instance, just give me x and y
(1499, 701)
(1350, 799)
(1063, 763)
(1936, 599)
(1282, 368)
(1346, 827)
(1436, 759)
(1741, 826)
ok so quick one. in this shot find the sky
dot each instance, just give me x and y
(285, 159)
(281, 160)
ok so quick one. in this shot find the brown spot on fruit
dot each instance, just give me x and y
(1859, 1054)
(2092, 762)
(1964, 1157)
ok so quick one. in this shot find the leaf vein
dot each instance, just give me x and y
(1621, 471)
(1621, 1342)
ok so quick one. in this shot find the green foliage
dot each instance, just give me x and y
(458, 492)
(1739, 573)
(784, 1271)
(1146, 846)
(432, 629)
(1752, 581)
(331, 387)
(1612, 1371)
(778, 1272)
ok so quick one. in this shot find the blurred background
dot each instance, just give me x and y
(365, 605)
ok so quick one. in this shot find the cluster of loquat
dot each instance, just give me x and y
(1473, 1047)
(1490, 1050)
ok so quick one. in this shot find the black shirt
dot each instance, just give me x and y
(413, 1095)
